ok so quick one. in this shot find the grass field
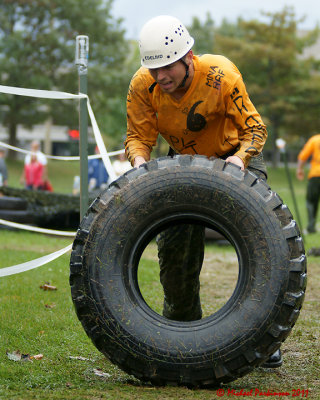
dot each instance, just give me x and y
(36, 321)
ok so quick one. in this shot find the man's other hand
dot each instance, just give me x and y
(138, 161)
(236, 160)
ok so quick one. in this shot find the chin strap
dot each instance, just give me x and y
(186, 75)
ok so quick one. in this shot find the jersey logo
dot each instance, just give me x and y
(195, 121)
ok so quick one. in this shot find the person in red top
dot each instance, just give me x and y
(311, 150)
(33, 173)
(199, 105)
(32, 169)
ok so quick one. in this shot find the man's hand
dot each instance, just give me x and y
(236, 160)
(139, 160)
(300, 171)
(300, 174)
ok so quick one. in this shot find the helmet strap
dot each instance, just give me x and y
(186, 75)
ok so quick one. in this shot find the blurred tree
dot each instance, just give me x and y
(37, 48)
(118, 103)
(283, 84)
(203, 35)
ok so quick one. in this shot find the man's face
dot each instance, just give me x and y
(169, 77)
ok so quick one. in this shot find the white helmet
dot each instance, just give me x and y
(163, 40)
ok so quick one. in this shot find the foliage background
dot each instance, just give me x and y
(37, 45)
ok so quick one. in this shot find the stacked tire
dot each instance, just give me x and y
(15, 209)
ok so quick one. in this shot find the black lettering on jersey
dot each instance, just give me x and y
(195, 122)
(227, 141)
(252, 150)
(214, 77)
(251, 122)
(179, 144)
(234, 93)
(238, 101)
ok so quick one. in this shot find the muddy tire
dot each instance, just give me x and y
(253, 323)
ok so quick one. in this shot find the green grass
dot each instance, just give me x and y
(28, 325)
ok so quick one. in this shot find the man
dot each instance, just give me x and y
(200, 106)
(311, 149)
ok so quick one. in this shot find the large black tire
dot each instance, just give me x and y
(246, 330)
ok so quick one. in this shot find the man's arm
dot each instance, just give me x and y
(303, 157)
(300, 171)
(251, 129)
(142, 130)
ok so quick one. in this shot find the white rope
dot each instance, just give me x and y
(62, 158)
(38, 262)
(103, 154)
(48, 94)
(36, 229)
(43, 94)
(100, 144)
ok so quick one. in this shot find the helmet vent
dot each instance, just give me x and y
(166, 41)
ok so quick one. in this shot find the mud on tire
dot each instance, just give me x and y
(253, 323)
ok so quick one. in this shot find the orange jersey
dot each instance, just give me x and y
(312, 149)
(214, 117)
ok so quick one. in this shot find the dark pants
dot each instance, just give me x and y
(181, 252)
(313, 196)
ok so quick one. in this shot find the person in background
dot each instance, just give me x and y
(35, 158)
(33, 173)
(3, 169)
(199, 104)
(311, 150)
(98, 176)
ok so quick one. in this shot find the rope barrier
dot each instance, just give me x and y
(38, 262)
(48, 94)
(43, 94)
(61, 158)
(36, 229)
(103, 154)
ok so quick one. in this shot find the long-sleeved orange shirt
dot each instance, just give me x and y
(214, 117)
(312, 149)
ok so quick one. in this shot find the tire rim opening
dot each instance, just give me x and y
(215, 290)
